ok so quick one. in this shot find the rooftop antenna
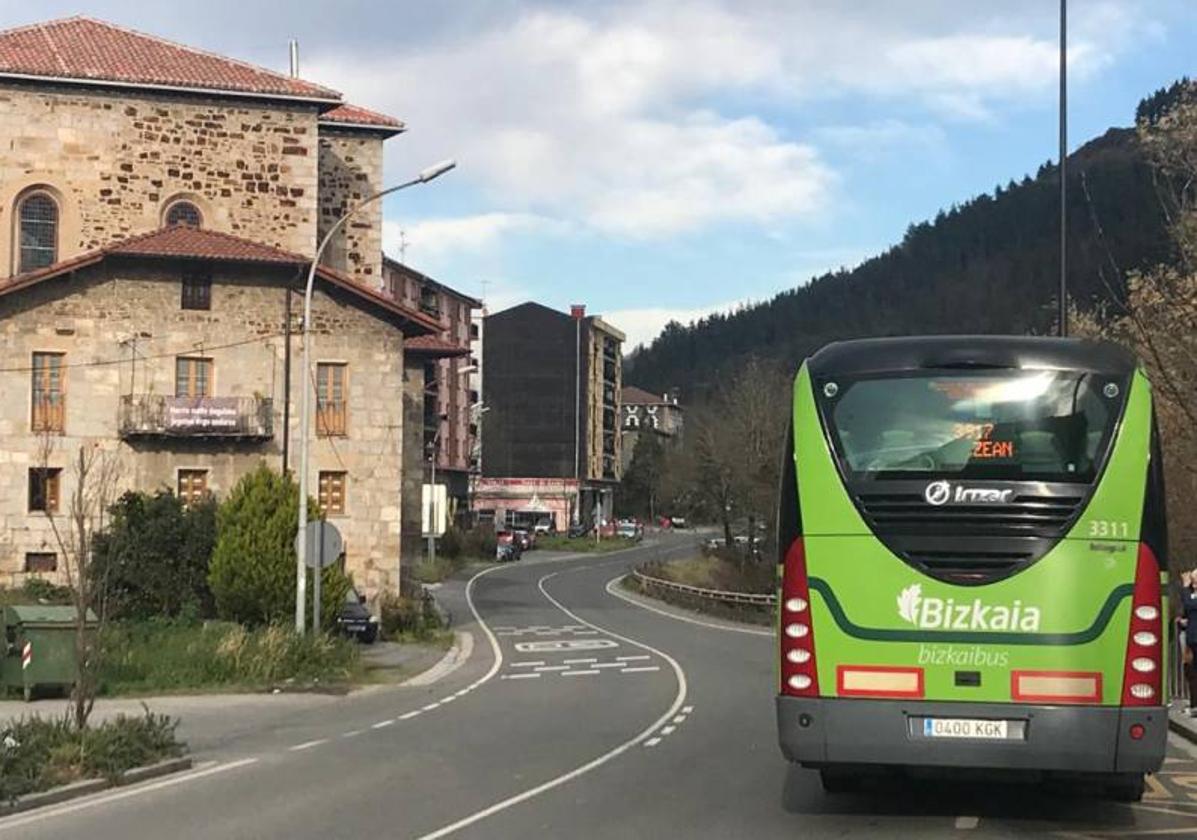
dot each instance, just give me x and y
(1063, 316)
(293, 44)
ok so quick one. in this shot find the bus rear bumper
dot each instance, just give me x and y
(819, 732)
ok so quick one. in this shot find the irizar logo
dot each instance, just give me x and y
(942, 492)
(946, 614)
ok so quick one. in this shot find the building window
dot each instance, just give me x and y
(332, 493)
(330, 399)
(41, 561)
(193, 486)
(43, 489)
(49, 399)
(193, 377)
(37, 231)
(183, 213)
(197, 288)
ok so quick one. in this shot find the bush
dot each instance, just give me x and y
(157, 656)
(457, 543)
(252, 574)
(36, 591)
(152, 560)
(38, 754)
(412, 612)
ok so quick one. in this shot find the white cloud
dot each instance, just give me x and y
(641, 326)
(617, 116)
(432, 238)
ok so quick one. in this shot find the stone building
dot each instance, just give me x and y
(647, 413)
(158, 205)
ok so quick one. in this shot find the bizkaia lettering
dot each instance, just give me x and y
(942, 492)
(948, 614)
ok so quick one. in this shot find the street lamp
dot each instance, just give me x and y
(426, 175)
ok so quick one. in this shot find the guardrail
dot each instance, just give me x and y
(758, 600)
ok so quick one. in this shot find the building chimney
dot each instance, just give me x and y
(294, 45)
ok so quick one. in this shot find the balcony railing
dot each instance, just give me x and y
(150, 415)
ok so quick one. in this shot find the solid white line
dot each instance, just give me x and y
(383, 724)
(579, 661)
(411, 715)
(594, 763)
(524, 676)
(967, 822)
(494, 643)
(577, 673)
(136, 790)
(448, 699)
(352, 733)
(307, 745)
(652, 742)
(677, 617)
(526, 664)
(632, 658)
(640, 670)
(461, 693)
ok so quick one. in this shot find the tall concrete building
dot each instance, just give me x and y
(551, 437)
(159, 206)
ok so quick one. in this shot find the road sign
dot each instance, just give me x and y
(324, 544)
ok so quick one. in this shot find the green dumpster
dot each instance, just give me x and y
(39, 648)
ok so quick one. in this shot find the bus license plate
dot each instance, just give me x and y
(965, 728)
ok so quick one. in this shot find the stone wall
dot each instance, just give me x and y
(350, 171)
(115, 160)
(94, 317)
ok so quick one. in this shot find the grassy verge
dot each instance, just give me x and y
(164, 657)
(444, 568)
(38, 754)
(726, 574)
(582, 545)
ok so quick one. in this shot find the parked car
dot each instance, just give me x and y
(355, 621)
(578, 530)
(545, 527)
(629, 530)
(677, 522)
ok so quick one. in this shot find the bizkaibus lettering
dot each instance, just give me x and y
(950, 614)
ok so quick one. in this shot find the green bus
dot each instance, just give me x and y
(973, 562)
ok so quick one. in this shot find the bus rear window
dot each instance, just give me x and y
(1007, 425)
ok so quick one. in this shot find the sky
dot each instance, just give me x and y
(663, 160)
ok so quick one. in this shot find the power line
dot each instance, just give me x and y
(165, 355)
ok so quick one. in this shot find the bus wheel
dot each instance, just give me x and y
(1127, 788)
(837, 781)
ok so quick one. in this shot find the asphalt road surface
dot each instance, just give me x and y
(581, 713)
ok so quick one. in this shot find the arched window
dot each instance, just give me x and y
(183, 213)
(37, 232)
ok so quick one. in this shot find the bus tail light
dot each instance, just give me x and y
(878, 681)
(1141, 685)
(799, 677)
(1056, 686)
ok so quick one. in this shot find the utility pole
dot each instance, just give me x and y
(1063, 316)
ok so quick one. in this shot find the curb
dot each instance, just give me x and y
(75, 790)
(1186, 732)
(456, 656)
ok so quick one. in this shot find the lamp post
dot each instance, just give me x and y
(426, 175)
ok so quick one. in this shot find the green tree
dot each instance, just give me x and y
(252, 574)
(640, 490)
(154, 556)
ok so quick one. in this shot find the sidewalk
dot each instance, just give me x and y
(1180, 722)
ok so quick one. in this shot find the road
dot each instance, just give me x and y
(580, 713)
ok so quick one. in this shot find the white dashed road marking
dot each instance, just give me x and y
(578, 673)
(652, 742)
(632, 658)
(410, 715)
(383, 724)
(307, 745)
(527, 664)
(521, 676)
(641, 670)
(352, 733)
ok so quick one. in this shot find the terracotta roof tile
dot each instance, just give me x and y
(192, 243)
(434, 345)
(631, 395)
(356, 115)
(94, 50)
